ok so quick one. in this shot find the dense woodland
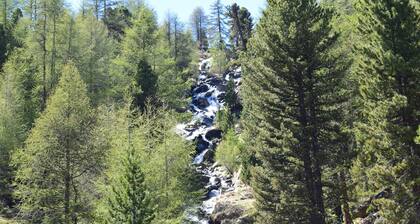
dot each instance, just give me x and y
(324, 128)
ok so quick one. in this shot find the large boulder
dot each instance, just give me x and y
(234, 207)
(214, 134)
(200, 89)
(201, 103)
(201, 144)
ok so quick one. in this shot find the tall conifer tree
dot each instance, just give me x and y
(291, 104)
(387, 70)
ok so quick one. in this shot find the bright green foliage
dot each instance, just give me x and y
(94, 53)
(18, 111)
(291, 96)
(137, 56)
(172, 63)
(229, 151)
(141, 37)
(219, 60)
(164, 158)
(225, 119)
(388, 76)
(61, 157)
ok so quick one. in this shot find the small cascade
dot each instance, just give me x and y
(207, 99)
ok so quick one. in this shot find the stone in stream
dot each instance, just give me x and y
(200, 89)
(201, 144)
(201, 103)
(208, 94)
(208, 121)
(214, 81)
(209, 156)
(214, 134)
(221, 97)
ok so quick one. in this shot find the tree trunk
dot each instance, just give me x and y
(67, 182)
(104, 16)
(219, 25)
(53, 52)
(238, 26)
(345, 199)
(4, 13)
(44, 59)
(175, 39)
(312, 176)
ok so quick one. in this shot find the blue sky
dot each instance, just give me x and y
(183, 8)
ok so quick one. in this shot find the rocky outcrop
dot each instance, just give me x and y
(234, 206)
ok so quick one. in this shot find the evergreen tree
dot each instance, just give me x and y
(129, 201)
(291, 104)
(145, 85)
(387, 72)
(60, 158)
(240, 26)
(118, 19)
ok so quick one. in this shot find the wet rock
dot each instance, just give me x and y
(200, 89)
(208, 94)
(221, 96)
(209, 156)
(214, 134)
(208, 121)
(221, 88)
(214, 81)
(201, 144)
(201, 103)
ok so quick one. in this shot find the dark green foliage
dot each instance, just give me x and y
(291, 93)
(7, 41)
(145, 85)
(231, 99)
(388, 76)
(130, 202)
(240, 26)
(117, 20)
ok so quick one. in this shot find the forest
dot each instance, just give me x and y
(306, 114)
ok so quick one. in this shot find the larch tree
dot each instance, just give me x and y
(291, 101)
(199, 26)
(388, 76)
(56, 167)
(218, 24)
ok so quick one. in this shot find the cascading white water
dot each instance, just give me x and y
(207, 100)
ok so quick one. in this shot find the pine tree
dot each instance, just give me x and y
(241, 25)
(130, 201)
(291, 100)
(145, 85)
(60, 158)
(387, 73)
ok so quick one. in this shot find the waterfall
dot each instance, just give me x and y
(207, 99)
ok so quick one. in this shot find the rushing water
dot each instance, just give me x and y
(207, 99)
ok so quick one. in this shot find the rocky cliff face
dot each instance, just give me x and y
(234, 206)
